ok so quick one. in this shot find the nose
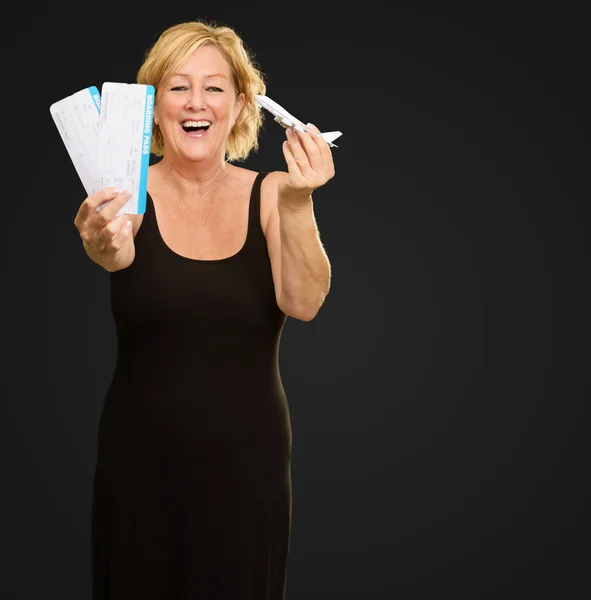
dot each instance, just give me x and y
(195, 99)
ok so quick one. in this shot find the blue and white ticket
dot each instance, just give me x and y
(77, 120)
(124, 141)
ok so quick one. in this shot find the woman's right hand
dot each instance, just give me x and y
(106, 239)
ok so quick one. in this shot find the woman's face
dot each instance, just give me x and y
(197, 107)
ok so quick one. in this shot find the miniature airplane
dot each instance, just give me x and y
(286, 120)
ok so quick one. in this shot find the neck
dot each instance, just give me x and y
(193, 185)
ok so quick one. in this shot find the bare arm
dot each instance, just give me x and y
(305, 268)
(301, 269)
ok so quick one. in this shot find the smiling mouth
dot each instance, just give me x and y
(195, 128)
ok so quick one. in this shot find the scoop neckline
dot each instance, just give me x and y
(199, 260)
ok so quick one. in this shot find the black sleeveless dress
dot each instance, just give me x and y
(192, 487)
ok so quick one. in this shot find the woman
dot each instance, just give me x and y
(192, 488)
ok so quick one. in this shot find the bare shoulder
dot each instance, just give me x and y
(271, 181)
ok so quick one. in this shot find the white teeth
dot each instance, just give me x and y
(196, 123)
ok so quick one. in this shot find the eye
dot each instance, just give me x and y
(215, 89)
(178, 87)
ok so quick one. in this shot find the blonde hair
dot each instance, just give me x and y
(173, 48)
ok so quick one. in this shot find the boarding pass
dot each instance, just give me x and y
(77, 120)
(116, 140)
(124, 141)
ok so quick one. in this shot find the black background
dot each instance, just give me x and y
(438, 399)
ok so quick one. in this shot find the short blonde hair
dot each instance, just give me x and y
(173, 48)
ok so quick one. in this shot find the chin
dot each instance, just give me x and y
(199, 156)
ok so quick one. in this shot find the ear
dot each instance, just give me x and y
(238, 105)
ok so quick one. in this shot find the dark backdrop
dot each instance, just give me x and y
(437, 400)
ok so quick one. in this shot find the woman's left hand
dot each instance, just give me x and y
(309, 164)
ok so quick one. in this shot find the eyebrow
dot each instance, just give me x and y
(208, 75)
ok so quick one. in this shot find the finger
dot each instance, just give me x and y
(113, 235)
(108, 213)
(298, 152)
(125, 233)
(322, 143)
(312, 150)
(292, 165)
(109, 209)
(88, 208)
(90, 204)
(96, 230)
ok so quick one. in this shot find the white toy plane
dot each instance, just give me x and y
(286, 120)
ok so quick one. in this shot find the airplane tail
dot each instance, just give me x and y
(330, 136)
